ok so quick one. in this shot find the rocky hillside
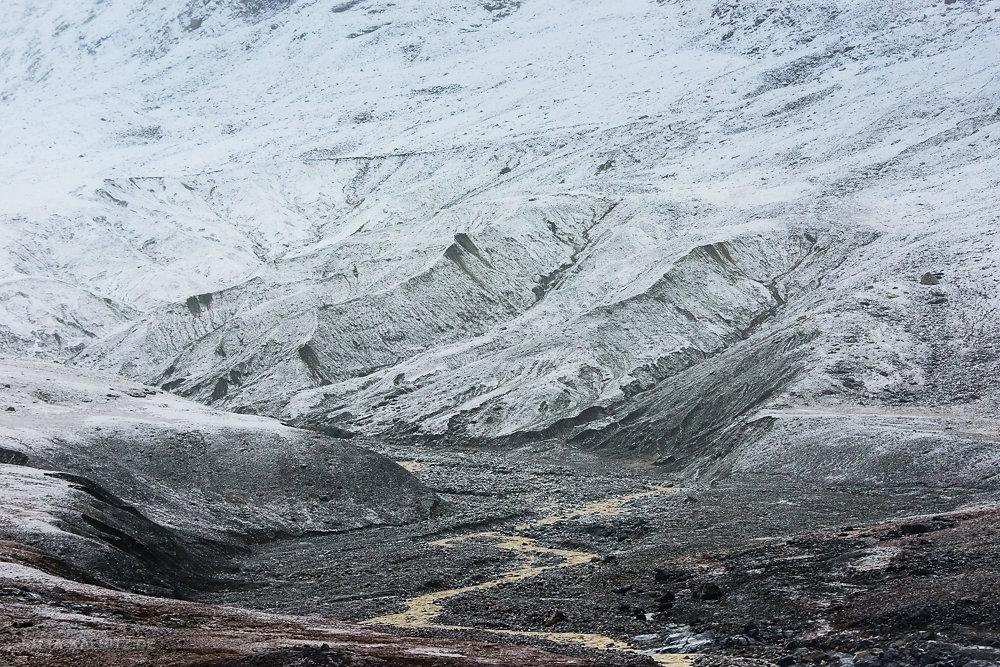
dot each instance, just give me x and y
(131, 486)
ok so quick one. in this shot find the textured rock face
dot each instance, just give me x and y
(126, 481)
(632, 224)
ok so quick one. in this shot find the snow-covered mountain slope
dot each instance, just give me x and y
(510, 220)
(126, 481)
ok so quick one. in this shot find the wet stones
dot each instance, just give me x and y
(555, 618)
(632, 611)
(812, 656)
(866, 659)
(705, 590)
(665, 576)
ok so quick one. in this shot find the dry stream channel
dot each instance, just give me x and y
(422, 611)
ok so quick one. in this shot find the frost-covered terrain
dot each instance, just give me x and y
(508, 220)
(133, 486)
(680, 318)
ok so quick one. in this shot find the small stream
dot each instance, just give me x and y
(424, 610)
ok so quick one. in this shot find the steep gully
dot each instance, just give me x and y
(422, 611)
